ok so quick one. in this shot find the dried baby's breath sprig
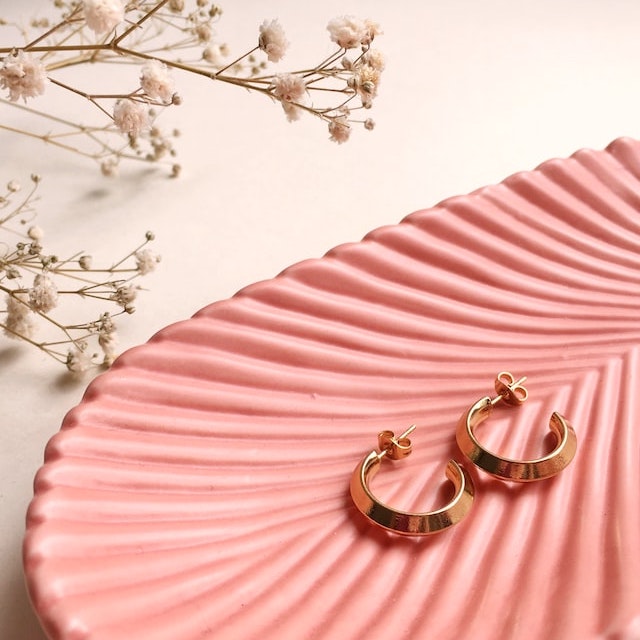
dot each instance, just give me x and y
(155, 39)
(37, 287)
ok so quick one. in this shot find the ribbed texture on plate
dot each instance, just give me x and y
(200, 490)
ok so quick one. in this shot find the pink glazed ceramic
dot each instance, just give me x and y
(201, 488)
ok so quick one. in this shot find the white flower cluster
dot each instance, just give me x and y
(169, 36)
(288, 88)
(339, 127)
(33, 285)
(291, 90)
(156, 82)
(272, 40)
(21, 306)
(107, 337)
(349, 32)
(102, 16)
(79, 358)
(131, 116)
(124, 295)
(362, 75)
(146, 261)
(23, 75)
(19, 320)
(43, 296)
(352, 33)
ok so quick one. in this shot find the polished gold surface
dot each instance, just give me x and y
(513, 393)
(405, 522)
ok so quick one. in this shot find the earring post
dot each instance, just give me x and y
(408, 432)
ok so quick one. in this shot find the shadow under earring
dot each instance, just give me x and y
(405, 522)
(511, 392)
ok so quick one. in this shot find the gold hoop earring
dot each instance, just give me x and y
(404, 522)
(512, 392)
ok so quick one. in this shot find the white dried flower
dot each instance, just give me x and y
(43, 296)
(176, 6)
(146, 261)
(130, 117)
(107, 338)
(102, 16)
(289, 87)
(109, 167)
(156, 81)
(213, 55)
(13, 186)
(85, 262)
(108, 343)
(374, 59)
(292, 111)
(372, 30)
(339, 128)
(272, 40)
(203, 32)
(366, 81)
(35, 248)
(78, 360)
(35, 233)
(369, 124)
(19, 319)
(347, 63)
(48, 261)
(124, 295)
(348, 32)
(105, 323)
(23, 75)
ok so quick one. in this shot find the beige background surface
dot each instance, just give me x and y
(473, 91)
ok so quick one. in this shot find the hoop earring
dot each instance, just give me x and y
(512, 392)
(404, 522)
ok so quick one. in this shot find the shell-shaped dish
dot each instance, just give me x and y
(200, 490)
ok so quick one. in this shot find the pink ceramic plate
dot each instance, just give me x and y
(200, 489)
